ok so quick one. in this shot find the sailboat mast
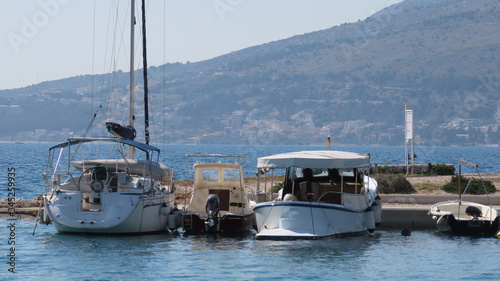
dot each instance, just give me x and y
(145, 72)
(131, 149)
(132, 25)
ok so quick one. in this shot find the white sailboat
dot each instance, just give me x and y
(110, 185)
(324, 194)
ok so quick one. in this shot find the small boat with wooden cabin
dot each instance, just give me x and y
(219, 202)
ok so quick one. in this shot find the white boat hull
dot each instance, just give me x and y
(121, 213)
(453, 216)
(310, 220)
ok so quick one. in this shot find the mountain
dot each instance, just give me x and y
(349, 81)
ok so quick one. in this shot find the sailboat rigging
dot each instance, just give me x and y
(116, 191)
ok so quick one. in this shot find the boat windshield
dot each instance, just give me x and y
(210, 175)
(325, 175)
(231, 175)
(298, 173)
(346, 173)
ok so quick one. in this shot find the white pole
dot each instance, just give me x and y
(406, 140)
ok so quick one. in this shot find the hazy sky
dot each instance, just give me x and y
(44, 40)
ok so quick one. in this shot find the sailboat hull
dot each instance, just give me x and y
(121, 213)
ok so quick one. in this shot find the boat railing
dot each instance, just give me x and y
(255, 193)
(46, 180)
(468, 183)
(237, 158)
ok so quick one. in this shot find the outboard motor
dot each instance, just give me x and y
(212, 209)
(474, 212)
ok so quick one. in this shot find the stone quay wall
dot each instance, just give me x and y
(418, 169)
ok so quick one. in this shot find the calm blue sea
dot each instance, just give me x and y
(426, 255)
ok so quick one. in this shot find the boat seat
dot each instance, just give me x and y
(456, 211)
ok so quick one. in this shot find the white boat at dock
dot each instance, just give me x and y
(111, 185)
(324, 194)
(464, 217)
(113, 195)
(219, 203)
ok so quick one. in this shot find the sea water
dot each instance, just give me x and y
(386, 255)
(44, 254)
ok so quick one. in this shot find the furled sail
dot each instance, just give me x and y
(127, 132)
